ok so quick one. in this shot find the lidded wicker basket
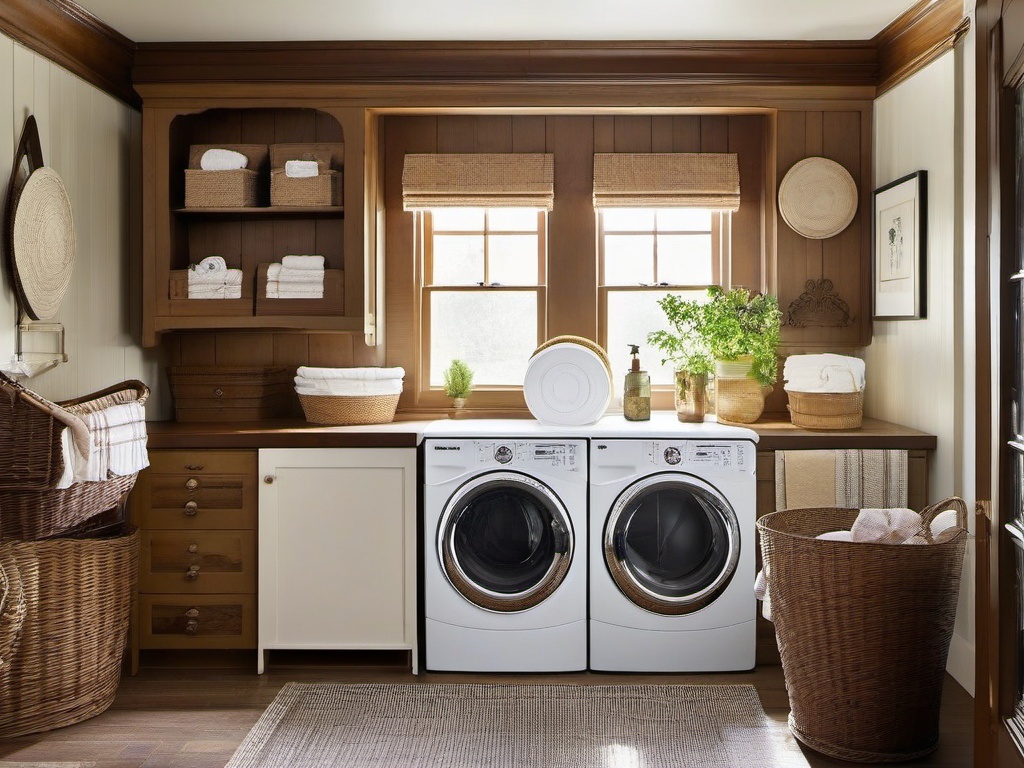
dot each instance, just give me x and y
(864, 631)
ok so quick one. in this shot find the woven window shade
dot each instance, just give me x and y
(667, 180)
(520, 180)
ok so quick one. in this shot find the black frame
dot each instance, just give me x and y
(920, 289)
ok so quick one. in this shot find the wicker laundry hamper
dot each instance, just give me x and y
(65, 621)
(863, 630)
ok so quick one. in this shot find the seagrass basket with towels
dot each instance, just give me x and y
(863, 630)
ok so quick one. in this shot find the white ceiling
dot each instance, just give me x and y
(260, 20)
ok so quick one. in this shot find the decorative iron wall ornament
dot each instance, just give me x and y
(819, 306)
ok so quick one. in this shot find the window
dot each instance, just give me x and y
(483, 291)
(646, 253)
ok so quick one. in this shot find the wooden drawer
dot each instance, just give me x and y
(197, 489)
(197, 621)
(195, 562)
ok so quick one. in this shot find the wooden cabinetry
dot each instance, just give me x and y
(175, 236)
(197, 513)
(337, 551)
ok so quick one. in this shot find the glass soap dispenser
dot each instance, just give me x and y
(636, 392)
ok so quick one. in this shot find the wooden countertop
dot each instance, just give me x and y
(776, 433)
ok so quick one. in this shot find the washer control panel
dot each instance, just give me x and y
(568, 456)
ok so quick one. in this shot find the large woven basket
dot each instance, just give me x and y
(826, 410)
(75, 602)
(339, 410)
(31, 462)
(863, 630)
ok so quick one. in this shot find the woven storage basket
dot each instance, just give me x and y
(313, 191)
(66, 663)
(31, 462)
(224, 189)
(826, 410)
(229, 393)
(863, 631)
(740, 400)
(338, 410)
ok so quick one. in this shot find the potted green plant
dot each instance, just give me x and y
(739, 331)
(684, 346)
(458, 382)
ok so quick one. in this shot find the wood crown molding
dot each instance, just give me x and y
(685, 62)
(73, 38)
(918, 37)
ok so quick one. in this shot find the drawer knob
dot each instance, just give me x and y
(218, 392)
(191, 627)
(192, 613)
(192, 573)
(193, 548)
(191, 508)
(191, 483)
(269, 479)
(194, 467)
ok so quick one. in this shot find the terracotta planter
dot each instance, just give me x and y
(691, 396)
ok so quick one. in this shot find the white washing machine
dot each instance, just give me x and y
(672, 537)
(504, 551)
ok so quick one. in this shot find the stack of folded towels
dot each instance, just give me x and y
(301, 169)
(823, 373)
(223, 160)
(296, 277)
(358, 382)
(211, 279)
(880, 526)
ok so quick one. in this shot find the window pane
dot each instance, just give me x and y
(458, 219)
(513, 259)
(684, 219)
(495, 332)
(684, 259)
(458, 260)
(628, 259)
(512, 219)
(631, 316)
(628, 219)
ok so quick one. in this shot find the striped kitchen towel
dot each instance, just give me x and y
(857, 479)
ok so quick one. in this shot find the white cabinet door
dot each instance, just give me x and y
(337, 549)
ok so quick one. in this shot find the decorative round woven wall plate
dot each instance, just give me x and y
(43, 243)
(818, 198)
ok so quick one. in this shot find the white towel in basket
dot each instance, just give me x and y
(118, 437)
(223, 160)
(361, 374)
(348, 388)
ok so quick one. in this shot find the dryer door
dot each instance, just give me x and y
(505, 541)
(671, 543)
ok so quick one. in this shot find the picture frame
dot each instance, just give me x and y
(899, 253)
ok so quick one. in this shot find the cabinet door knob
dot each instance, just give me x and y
(192, 613)
(269, 479)
(194, 467)
(193, 548)
(218, 392)
(191, 627)
(191, 508)
(192, 573)
(191, 483)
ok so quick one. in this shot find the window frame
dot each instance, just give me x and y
(488, 395)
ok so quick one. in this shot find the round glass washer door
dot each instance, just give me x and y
(671, 543)
(505, 541)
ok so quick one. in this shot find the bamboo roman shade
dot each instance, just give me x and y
(667, 180)
(519, 180)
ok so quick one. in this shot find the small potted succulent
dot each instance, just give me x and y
(458, 382)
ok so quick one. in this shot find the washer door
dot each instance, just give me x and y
(671, 543)
(505, 541)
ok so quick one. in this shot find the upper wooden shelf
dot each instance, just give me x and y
(264, 210)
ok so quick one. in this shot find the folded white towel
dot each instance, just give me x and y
(223, 160)
(117, 446)
(300, 276)
(233, 277)
(215, 292)
(348, 387)
(273, 271)
(311, 293)
(301, 169)
(303, 262)
(823, 373)
(366, 374)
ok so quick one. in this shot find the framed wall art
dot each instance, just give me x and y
(900, 226)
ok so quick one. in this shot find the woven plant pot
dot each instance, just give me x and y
(863, 630)
(739, 400)
(66, 662)
(339, 410)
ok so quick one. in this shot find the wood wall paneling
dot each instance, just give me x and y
(918, 37)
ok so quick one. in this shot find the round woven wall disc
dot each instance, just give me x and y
(818, 198)
(44, 243)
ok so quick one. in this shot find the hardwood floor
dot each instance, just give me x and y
(174, 717)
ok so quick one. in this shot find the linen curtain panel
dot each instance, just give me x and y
(517, 180)
(667, 180)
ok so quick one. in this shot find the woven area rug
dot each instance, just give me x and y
(313, 725)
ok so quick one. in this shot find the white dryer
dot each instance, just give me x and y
(504, 554)
(672, 537)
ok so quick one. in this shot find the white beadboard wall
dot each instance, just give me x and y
(920, 372)
(94, 142)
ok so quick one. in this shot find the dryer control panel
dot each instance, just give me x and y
(698, 454)
(565, 456)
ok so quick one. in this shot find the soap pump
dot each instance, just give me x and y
(636, 392)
